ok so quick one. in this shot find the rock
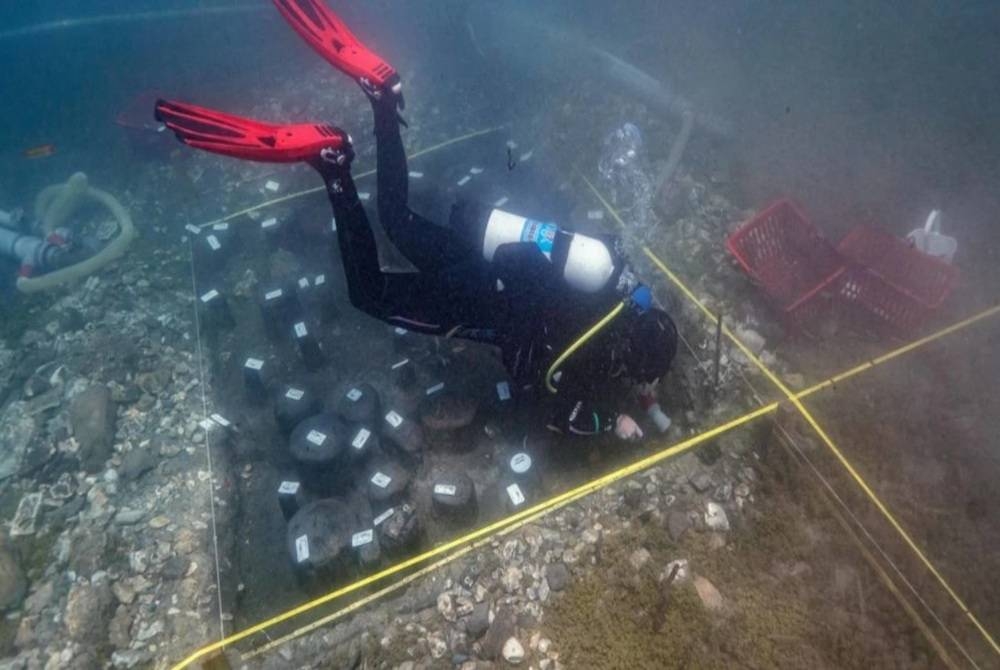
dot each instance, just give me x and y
(715, 517)
(87, 609)
(701, 481)
(92, 418)
(632, 497)
(118, 628)
(89, 554)
(501, 629)
(128, 517)
(149, 631)
(513, 652)
(479, 621)
(753, 340)
(683, 572)
(158, 522)
(438, 647)
(557, 575)
(446, 607)
(710, 596)
(136, 463)
(678, 523)
(13, 583)
(17, 428)
(511, 579)
(639, 558)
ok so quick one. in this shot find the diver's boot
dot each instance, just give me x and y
(330, 37)
(314, 143)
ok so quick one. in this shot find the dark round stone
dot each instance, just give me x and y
(387, 482)
(319, 539)
(359, 403)
(318, 440)
(453, 496)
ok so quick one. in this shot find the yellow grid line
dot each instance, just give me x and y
(819, 431)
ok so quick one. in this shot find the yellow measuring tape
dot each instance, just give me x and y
(819, 431)
(576, 493)
(367, 173)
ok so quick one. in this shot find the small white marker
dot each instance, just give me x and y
(400, 331)
(272, 185)
(319, 280)
(464, 180)
(501, 202)
(476, 170)
(365, 195)
(396, 366)
(211, 295)
(354, 394)
(221, 420)
(300, 329)
(394, 419)
(206, 424)
(381, 480)
(383, 516)
(254, 364)
(269, 223)
(221, 226)
(271, 295)
(511, 144)
(515, 494)
(445, 489)
(362, 538)
(361, 439)
(333, 224)
(595, 214)
(434, 389)
(295, 394)
(503, 390)
(316, 437)
(304, 282)
(291, 488)
(194, 230)
(526, 155)
(302, 548)
(416, 175)
(213, 242)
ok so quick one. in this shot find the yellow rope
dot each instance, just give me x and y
(834, 449)
(571, 349)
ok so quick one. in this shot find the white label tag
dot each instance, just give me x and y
(221, 226)
(445, 489)
(394, 419)
(290, 488)
(383, 516)
(511, 144)
(300, 329)
(316, 437)
(476, 170)
(416, 175)
(272, 186)
(381, 480)
(515, 494)
(362, 538)
(464, 180)
(254, 364)
(213, 242)
(269, 223)
(503, 390)
(434, 389)
(194, 230)
(319, 280)
(396, 366)
(361, 439)
(304, 282)
(364, 195)
(333, 224)
(221, 420)
(302, 548)
(211, 295)
(520, 462)
(207, 424)
(527, 155)
(501, 202)
(401, 331)
(295, 394)
(354, 395)
(595, 214)
(271, 295)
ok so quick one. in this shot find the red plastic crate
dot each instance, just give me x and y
(893, 281)
(790, 258)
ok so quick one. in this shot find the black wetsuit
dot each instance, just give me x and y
(517, 302)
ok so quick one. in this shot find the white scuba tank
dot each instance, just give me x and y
(588, 265)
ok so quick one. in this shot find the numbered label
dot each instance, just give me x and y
(361, 439)
(515, 494)
(362, 538)
(302, 548)
(394, 419)
(381, 480)
(290, 488)
(445, 489)
(294, 394)
(316, 437)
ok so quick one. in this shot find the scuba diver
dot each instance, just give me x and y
(536, 291)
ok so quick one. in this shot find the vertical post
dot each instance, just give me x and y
(718, 353)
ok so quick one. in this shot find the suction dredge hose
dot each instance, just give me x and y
(583, 339)
(53, 207)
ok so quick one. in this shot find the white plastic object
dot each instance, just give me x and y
(930, 241)
(657, 416)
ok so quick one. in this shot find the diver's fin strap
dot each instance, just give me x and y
(230, 135)
(330, 37)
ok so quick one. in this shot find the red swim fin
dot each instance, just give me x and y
(331, 38)
(248, 139)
